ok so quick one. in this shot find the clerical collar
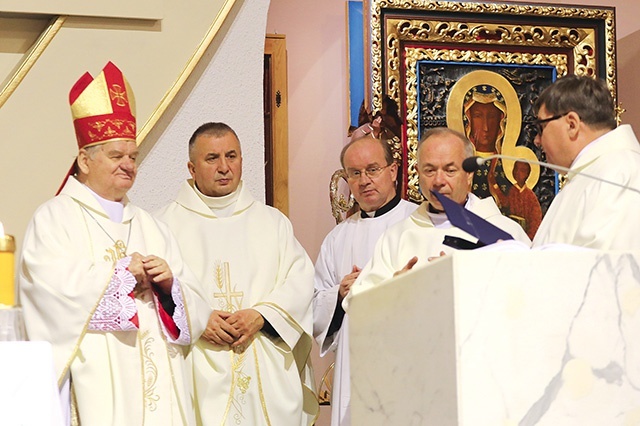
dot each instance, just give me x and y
(382, 210)
(439, 217)
(223, 206)
(114, 209)
(433, 210)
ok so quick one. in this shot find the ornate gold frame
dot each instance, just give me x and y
(578, 40)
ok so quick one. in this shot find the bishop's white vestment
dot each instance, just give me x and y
(419, 236)
(595, 214)
(125, 352)
(252, 260)
(349, 243)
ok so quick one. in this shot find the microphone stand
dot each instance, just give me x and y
(471, 164)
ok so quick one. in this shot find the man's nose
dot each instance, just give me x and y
(364, 179)
(223, 166)
(438, 179)
(536, 140)
(128, 163)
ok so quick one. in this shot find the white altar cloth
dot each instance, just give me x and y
(28, 389)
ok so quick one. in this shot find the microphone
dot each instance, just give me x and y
(472, 164)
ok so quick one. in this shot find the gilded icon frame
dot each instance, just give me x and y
(404, 35)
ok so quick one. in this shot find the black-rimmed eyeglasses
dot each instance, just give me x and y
(371, 172)
(537, 123)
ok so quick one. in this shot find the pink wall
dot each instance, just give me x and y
(315, 33)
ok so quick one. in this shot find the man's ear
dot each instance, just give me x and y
(83, 161)
(394, 171)
(573, 121)
(192, 169)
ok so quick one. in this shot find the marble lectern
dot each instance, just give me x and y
(500, 339)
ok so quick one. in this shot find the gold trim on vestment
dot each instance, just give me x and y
(283, 312)
(31, 57)
(150, 370)
(239, 380)
(263, 403)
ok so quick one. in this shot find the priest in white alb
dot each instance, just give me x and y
(371, 176)
(577, 129)
(104, 282)
(420, 237)
(252, 365)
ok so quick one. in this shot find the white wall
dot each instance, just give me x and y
(229, 90)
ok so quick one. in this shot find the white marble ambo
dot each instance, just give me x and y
(519, 338)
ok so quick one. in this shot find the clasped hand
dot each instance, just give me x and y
(234, 329)
(148, 270)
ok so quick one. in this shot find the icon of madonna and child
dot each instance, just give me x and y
(484, 106)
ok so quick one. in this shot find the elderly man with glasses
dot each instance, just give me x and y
(577, 129)
(420, 237)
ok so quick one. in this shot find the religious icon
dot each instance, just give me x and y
(485, 107)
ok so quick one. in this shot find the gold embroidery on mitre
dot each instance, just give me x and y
(119, 251)
(98, 125)
(118, 94)
(227, 297)
(94, 100)
(150, 372)
(106, 128)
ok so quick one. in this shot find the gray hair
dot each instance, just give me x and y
(469, 150)
(214, 129)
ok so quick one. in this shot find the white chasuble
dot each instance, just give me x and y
(349, 243)
(137, 376)
(594, 214)
(252, 260)
(418, 236)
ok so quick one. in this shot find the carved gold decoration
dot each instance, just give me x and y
(563, 47)
(619, 112)
(581, 40)
(413, 55)
(339, 205)
(326, 386)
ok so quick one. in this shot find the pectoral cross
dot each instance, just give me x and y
(227, 294)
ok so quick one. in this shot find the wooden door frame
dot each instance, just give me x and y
(275, 46)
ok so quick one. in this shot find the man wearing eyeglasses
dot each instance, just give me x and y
(577, 129)
(420, 237)
(371, 176)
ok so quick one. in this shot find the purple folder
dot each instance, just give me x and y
(471, 223)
